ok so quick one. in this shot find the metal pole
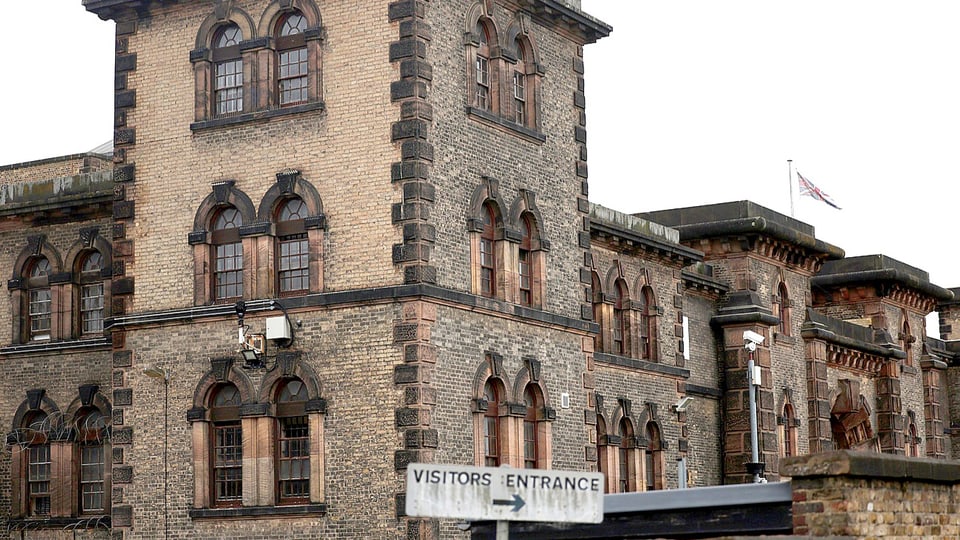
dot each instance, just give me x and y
(503, 530)
(790, 183)
(754, 447)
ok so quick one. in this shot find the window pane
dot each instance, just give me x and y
(229, 271)
(294, 457)
(294, 272)
(40, 311)
(91, 478)
(228, 87)
(38, 480)
(293, 76)
(227, 462)
(91, 308)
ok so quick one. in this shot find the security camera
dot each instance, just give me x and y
(682, 405)
(751, 340)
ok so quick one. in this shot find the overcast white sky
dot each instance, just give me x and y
(688, 102)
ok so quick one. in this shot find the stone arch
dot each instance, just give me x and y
(491, 367)
(37, 246)
(37, 401)
(89, 395)
(290, 365)
(222, 14)
(482, 11)
(276, 8)
(530, 374)
(289, 184)
(223, 194)
(90, 240)
(615, 273)
(519, 29)
(526, 202)
(487, 191)
(221, 371)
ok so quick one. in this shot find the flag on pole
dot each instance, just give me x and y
(807, 188)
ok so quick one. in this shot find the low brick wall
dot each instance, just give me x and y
(867, 495)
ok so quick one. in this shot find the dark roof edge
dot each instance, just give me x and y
(849, 335)
(689, 255)
(758, 225)
(598, 29)
(46, 161)
(885, 274)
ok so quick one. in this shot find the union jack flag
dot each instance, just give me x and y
(807, 188)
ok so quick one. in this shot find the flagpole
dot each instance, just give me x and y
(790, 183)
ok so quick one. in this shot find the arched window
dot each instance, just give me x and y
(91, 453)
(492, 432)
(602, 453)
(228, 255)
(228, 71)
(627, 472)
(596, 293)
(906, 339)
(526, 262)
(483, 97)
(40, 299)
(648, 324)
(789, 431)
(488, 258)
(226, 448)
(292, 59)
(532, 432)
(913, 441)
(784, 308)
(293, 251)
(620, 322)
(91, 294)
(654, 458)
(293, 452)
(520, 87)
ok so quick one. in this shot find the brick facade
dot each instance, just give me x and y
(629, 340)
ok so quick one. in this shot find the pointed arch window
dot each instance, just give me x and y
(228, 71)
(627, 472)
(620, 321)
(654, 458)
(293, 248)
(483, 95)
(91, 294)
(488, 257)
(293, 452)
(789, 431)
(533, 424)
(292, 59)
(784, 308)
(492, 428)
(226, 447)
(906, 339)
(526, 262)
(596, 297)
(228, 255)
(40, 299)
(648, 324)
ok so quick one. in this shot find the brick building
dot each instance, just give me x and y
(391, 206)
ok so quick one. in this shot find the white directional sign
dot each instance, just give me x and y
(503, 494)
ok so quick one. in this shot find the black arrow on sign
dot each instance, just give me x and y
(517, 502)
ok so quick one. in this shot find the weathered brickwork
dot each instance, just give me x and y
(393, 336)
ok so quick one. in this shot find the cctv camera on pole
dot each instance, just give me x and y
(750, 341)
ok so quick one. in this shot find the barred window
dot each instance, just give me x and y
(293, 455)
(532, 438)
(482, 98)
(227, 447)
(38, 473)
(525, 261)
(90, 430)
(491, 424)
(488, 261)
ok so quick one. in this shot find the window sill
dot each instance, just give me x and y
(486, 117)
(52, 346)
(254, 512)
(255, 116)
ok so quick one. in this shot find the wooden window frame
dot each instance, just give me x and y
(288, 44)
(226, 235)
(227, 72)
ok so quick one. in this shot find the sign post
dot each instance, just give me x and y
(503, 494)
